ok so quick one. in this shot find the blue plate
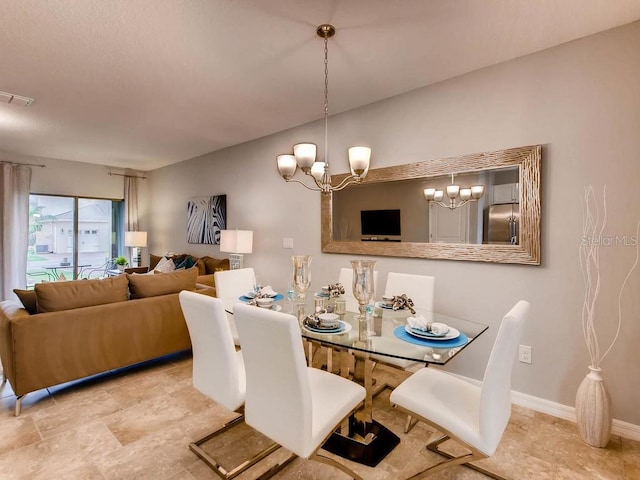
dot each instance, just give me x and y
(244, 298)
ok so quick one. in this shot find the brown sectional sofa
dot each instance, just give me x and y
(206, 266)
(85, 327)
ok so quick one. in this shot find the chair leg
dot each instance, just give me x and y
(464, 459)
(411, 422)
(19, 405)
(215, 465)
(330, 461)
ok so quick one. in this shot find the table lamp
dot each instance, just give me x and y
(236, 242)
(137, 240)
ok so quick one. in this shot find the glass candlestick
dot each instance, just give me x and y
(301, 274)
(363, 283)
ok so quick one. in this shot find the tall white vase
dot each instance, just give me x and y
(593, 410)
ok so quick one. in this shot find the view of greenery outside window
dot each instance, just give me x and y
(72, 237)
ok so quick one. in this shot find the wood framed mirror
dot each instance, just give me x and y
(387, 213)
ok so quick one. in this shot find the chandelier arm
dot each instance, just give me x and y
(304, 184)
(346, 182)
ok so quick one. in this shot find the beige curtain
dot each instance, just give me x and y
(15, 184)
(131, 201)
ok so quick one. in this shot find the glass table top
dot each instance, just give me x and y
(386, 333)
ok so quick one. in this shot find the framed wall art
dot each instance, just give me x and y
(206, 217)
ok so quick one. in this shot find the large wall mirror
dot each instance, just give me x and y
(389, 214)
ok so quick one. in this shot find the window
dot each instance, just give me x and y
(72, 237)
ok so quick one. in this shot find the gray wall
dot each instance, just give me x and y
(580, 100)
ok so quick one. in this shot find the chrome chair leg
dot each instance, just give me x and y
(19, 399)
(215, 465)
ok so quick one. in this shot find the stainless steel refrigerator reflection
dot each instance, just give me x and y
(501, 224)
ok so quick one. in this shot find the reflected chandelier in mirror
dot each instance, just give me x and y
(410, 225)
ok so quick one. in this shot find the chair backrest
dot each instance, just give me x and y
(218, 370)
(233, 283)
(418, 288)
(495, 399)
(278, 401)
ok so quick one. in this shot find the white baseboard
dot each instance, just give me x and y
(623, 429)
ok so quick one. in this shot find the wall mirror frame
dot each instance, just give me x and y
(527, 252)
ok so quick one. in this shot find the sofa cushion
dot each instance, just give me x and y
(214, 265)
(142, 286)
(28, 299)
(56, 296)
(184, 261)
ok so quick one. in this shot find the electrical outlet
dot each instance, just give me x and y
(524, 354)
(287, 243)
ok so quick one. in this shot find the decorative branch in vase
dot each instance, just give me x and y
(593, 404)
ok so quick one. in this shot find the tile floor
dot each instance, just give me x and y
(137, 423)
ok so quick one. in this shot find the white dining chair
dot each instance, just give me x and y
(297, 406)
(218, 370)
(475, 416)
(346, 279)
(419, 288)
(230, 285)
(234, 283)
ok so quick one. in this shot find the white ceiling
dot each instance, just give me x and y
(147, 83)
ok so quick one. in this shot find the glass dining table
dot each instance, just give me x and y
(360, 343)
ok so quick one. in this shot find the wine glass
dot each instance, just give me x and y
(291, 296)
(301, 274)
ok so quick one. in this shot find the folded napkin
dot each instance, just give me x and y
(402, 301)
(421, 323)
(265, 292)
(333, 290)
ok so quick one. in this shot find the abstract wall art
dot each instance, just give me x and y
(206, 217)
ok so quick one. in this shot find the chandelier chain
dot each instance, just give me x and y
(326, 104)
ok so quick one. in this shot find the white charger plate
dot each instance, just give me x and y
(450, 335)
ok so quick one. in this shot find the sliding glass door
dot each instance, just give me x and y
(72, 237)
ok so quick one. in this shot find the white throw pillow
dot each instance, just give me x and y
(165, 265)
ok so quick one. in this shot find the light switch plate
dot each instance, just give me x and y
(287, 243)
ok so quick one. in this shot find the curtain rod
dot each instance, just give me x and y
(130, 176)
(27, 164)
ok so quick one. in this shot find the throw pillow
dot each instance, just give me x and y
(202, 268)
(214, 265)
(28, 299)
(56, 296)
(186, 262)
(165, 265)
(142, 286)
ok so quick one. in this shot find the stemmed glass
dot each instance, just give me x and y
(301, 274)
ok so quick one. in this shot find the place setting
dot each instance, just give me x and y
(263, 297)
(421, 331)
(396, 302)
(325, 323)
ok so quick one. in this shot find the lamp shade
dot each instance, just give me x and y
(135, 239)
(236, 241)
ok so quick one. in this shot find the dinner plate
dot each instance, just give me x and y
(246, 298)
(322, 294)
(253, 294)
(386, 306)
(450, 335)
(343, 328)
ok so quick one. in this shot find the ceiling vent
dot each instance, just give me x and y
(15, 99)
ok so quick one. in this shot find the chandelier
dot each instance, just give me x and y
(457, 196)
(304, 154)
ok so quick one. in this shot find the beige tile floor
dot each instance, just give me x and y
(136, 424)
